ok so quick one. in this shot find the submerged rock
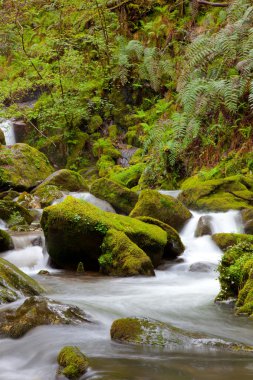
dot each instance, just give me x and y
(162, 207)
(144, 331)
(231, 193)
(38, 311)
(74, 231)
(65, 180)
(121, 198)
(15, 284)
(121, 257)
(204, 226)
(5, 241)
(22, 167)
(73, 363)
(202, 266)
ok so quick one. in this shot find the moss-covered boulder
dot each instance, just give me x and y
(28, 200)
(72, 362)
(122, 257)
(226, 240)
(47, 194)
(9, 195)
(129, 177)
(144, 331)
(204, 226)
(162, 207)
(14, 283)
(2, 137)
(38, 311)
(247, 218)
(121, 198)
(219, 194)
(236, 277)
(174, 246)
(75, 230)
(65, 180)
(14, 214)
(5, 241)
(22, 167)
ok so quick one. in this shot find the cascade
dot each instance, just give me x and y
(8, 129)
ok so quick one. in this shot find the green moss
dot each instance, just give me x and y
(78, 156)
(121, 257)
(162, 207)
(5, 241)
(47, 194)
(14, 283)
(14, 214)
(126, 330)
(22, 167)
(121, 198)
(129, 177)
(225, 240)
(104, 165)
(65, 180)
(95, 123)
(75, 229)
(105, 147)
(113, 132)
(73, 363)
(218, 194)
(235, 269)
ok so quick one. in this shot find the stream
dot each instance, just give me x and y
(176, 295)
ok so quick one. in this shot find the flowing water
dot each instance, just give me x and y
(8, 130)
(176, 295)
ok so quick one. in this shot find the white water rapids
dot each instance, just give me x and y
(176, 295)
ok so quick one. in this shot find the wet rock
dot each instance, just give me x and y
(5, 241)
(121, 257)
(72, 362)
(22, 167)
(121, 198)
(74, 232)
(204, 226)
(162, 207)
(38, 311)
(9, 195)
(37, 241)
(144, 331)
(247, 218)
(15, 284)
(44, 273)
(202, 266)
(2, 137)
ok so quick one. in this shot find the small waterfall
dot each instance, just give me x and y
(3, 225)
(29, 252)
(8, 129)
(172, 193)
(203, 249)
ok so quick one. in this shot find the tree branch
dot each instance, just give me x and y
(204, 2)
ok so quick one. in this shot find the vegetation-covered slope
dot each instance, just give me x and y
(173, 78)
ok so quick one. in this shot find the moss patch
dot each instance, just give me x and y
(65, 180)
(226, 240)
(162, 207)
(5, 241)
(47, 194)
(121, 198)
(14, 214)
(73, 363)
(121, 257)
(129, 177)
(22, 167)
